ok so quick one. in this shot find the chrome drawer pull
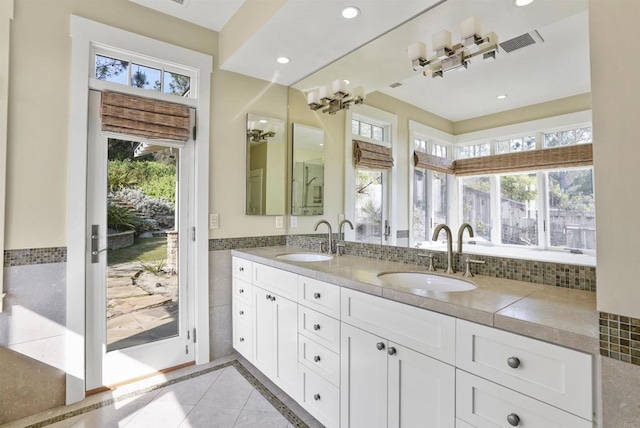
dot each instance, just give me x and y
(316, 327)
(514, 362)
(391, 351)
(380, 346)
(241, 312)
(268, 297)
(513, 419)
(316, 358)
(241, 291)
(242, 339)
(241, 269)
(316, 397)
(316, 295)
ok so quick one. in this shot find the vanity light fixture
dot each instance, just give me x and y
(258, 135)
(337, 100)
(350, 12)
(450, 57)
(283, 60)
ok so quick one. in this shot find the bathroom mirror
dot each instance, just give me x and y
(307, 186)
(266, 165)
(545, 64)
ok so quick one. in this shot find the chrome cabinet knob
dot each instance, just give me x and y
(513, 419)
(241, 291)
(391, 350)
(268, 297)
(241, 269)
(273, 298)
(316, 295)
(242, 339)
(316, 397)
(514, 362)
(241, 312)
(316, 327)
(316, 358)
(380, 346)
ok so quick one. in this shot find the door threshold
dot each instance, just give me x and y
(136, 379)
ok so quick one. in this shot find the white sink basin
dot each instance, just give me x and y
(425, 281)
(304, 257)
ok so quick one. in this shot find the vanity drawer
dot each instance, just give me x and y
(319, 359)
(320, 296)
(550, 373)
(319, 397)
(424, 331)
(319, 328)
(277, 281)
(242, 311)
(484, 404)
(242, 291)
(243, 339)
(242, 269)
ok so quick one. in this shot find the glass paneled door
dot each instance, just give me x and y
(139, 308)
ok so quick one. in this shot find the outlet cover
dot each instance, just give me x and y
(279, 222)
(294, 221)
(214, 221)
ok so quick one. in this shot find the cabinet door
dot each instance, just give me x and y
(285, 320)
(363, 392)
(263, 331)
(421, 390)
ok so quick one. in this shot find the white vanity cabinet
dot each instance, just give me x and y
(385, 383)
(275, 335)
(241, 306)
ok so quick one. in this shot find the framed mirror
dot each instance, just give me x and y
(266, 165)
(307, 187)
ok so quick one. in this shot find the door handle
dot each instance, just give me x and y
(95, 237)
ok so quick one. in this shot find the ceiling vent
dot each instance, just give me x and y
(527, 39)
(395, 85)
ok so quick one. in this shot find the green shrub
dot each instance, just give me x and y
(121, 219)
(157, 180)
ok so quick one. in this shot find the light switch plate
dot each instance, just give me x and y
(279, 222)
(294, 221)
(214, 221)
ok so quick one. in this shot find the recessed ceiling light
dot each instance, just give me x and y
(502, 96)
(350, 12)
(521, 3)
(283, 60)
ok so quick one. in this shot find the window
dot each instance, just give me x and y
(474, 151)
(476, 205)
(364, 129)
(369, 198)
(145, 76)
(430, 194)
(513, 145)
(572, 209)
(519, 209)
(568, 137)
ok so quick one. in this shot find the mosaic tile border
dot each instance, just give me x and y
(620, 338)
(35, 256)
(557, 274)
(246, 242)
(268, 395)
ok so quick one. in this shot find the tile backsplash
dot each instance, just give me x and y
(620, 337)
(35, 256)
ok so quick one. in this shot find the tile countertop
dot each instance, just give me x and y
(558, 315)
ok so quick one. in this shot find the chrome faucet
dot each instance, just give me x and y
(436, 232)
(460, 232)
(315, 228)
(341, 235)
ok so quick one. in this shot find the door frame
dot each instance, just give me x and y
(85, 34)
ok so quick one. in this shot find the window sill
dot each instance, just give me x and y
(512, 252)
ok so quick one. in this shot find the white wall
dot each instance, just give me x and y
(616, 132)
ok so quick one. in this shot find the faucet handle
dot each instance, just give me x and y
(468, 261)
(430, 267)
(321, 245)
(340, 246)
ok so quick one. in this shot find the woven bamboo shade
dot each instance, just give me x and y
(433, 163)
(555, 158)
(143, 117)
(372, 156)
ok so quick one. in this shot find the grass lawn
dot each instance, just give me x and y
(147, 249)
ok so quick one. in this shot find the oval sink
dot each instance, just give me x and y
(425, 281)
(304, 257)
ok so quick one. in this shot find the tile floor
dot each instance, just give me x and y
(225, 393)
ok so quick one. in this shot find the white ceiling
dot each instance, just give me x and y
(313, 34)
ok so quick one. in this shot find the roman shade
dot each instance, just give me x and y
(433, 163)
(372, 156)
(534, 160)
(144, 117)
